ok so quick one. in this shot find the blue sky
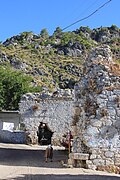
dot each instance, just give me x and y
(34, 15)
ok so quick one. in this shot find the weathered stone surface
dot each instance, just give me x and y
(117, 161)
(98, 95)
(93, 156)
(81, 156)
(98, 162)
(96, 123)
(56, 112)
(109, 154)
(118, 112)
(109, 162)
(91, 166)
(17, 137)
(93, 131)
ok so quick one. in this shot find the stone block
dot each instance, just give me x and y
(99, 162)
(118, 112)
(109, 154)
(117, 155)
(93, 167)
(71, 155)
(70, 162)
(117, 161)
(93, 156)
(116, 91)
(96, 123)
(102, 96)
(92, 130)
(109, 162)
(101, 101)
(99, 156)
(81, 156)
(89, 162)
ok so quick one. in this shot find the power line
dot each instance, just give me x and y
(88, 7)
(80, 19)
(86, 16)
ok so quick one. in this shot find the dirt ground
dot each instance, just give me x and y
(23, 162)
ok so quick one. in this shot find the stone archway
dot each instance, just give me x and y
(44, 134)
(49, 112)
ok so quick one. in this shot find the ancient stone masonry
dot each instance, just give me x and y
(54, 109)
(97, 110)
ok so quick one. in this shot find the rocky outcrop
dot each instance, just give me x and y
(97, 99)
(3, 57)
(56, 61)
(104, 34)
(73, 49)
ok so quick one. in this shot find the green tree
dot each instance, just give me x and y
(26, 34)
(44, 33)
(13, 84)
(58, 32)
(1, 96)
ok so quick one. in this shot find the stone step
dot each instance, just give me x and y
(79, 156)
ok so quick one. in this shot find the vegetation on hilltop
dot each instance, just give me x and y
(51, 62)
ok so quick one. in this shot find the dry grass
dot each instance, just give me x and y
(115, 69)
(35, 107)
(111, 88)
(109, 168)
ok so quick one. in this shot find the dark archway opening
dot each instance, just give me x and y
(44, 134)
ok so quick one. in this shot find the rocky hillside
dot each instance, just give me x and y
(56, 61)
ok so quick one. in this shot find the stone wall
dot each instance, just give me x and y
(14, 135)
(18, 137)
(97, 110)
(54, 110)
(10, 117)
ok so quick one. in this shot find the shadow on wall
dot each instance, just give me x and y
(65, 177)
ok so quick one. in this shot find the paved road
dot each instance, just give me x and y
(22, 162)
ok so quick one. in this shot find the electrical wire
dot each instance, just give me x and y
(86, 16)
(88, 8)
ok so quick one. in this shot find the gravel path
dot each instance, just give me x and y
(23, 162)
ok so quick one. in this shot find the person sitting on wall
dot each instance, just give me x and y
(49, 153)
